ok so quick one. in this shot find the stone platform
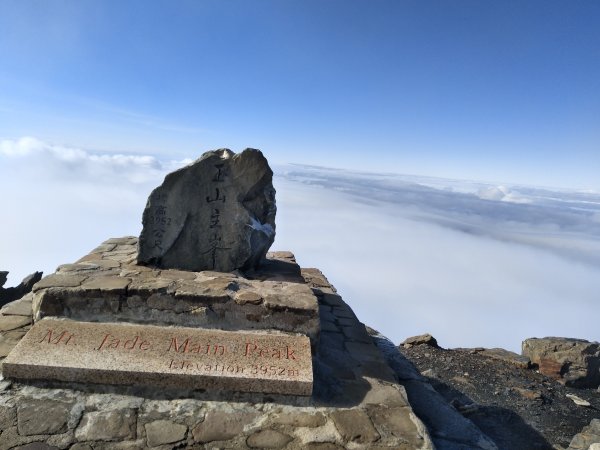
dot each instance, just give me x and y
(357, 401)
(107, 286)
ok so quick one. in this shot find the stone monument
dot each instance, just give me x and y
(192, 336)
(173, 308)
(218, 213)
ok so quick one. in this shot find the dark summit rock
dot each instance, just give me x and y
(10, 294)
(218, 213)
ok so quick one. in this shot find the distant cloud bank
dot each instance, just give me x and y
(473, 263)
(83, 164)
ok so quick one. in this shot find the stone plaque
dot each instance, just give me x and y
(177, 357)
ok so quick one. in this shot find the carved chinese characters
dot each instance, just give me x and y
(164, 356)
(215, 227)
(215, 214)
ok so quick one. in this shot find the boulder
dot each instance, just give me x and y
(574, 362)
(218, 214)
(422, 339)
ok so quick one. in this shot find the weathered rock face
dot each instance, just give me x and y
(354, 382)
(423, 339)
(575, 362)
(215, 214)
(107, 286)
(13, 293)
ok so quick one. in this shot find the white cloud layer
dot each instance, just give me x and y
(78, 163)
(414, 255)
(475, 264)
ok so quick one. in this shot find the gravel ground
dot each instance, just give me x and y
(518, 408)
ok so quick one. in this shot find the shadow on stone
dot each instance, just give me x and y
(506, 428)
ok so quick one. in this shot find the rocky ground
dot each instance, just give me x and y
(517, 407)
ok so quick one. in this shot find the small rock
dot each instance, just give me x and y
(268, 439)
(21, 307)
(42, 417)
(8, 341)
(578, 400)
(423, 339)
(528, 393)
(355, 426)
(396, 423)
(81, 446)
(430, 373)
(221, 426)
(8, 323)
(35, 446)
(301, 419)
(107, 426)
(162, 432)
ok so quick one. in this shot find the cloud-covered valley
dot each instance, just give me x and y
(473, 263)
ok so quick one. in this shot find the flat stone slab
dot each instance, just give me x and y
(108, 285)
(176, 357)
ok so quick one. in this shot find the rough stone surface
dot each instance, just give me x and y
(9, 339)
(163, 356)
(346, 378)
(162, 432)
(423, 339)
(107, 286)
(355, 426)
(42, 416)
(447, 427)
(301, 419)
(107, 425)
(36, 446)
(215, 214)
(21, 307)
(8, 323)
(221, 426)
(575, 362)
(268, 439)
(588, 439)
(505, 355)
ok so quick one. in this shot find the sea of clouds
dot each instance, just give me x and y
(473, 263)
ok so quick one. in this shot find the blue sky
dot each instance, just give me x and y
(100, 99)
(500, 91)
